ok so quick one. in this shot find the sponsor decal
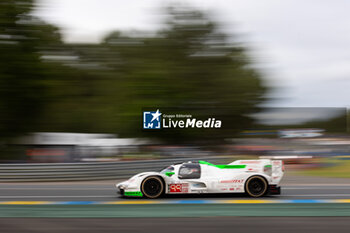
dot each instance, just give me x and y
(178, 188)
(136, 194)
(232, 181)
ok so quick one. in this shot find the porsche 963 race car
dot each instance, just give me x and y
(253, 177)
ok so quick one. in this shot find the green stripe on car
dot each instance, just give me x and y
(134, 194)
(223, 166)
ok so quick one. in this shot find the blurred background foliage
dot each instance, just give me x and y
(48, 85)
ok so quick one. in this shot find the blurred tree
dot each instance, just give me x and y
(23, 76)
(83, 92)
(189, 66)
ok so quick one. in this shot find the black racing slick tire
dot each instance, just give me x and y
(256, 186)
(152, 187)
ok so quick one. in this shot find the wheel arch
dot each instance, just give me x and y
(158, 176)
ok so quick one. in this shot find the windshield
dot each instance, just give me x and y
(168, 169)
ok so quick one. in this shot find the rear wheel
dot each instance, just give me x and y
(152, 187)
(256, 186)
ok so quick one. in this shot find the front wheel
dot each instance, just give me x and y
(256, 186)
(152, 187)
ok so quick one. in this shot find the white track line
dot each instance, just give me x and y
(68, 188)
(103, 196)
(320, 185)
(317, 195)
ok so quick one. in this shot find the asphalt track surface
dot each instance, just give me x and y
(106, 192)
(293, 187)
(175, 225)
(277, 217)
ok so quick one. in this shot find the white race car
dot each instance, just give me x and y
(253, 177)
